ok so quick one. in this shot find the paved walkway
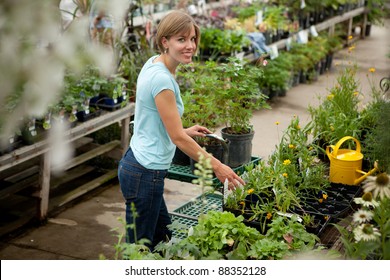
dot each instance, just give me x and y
(84, 231)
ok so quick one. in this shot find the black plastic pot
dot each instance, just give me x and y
(240, 147)
(218, 147)
(180, 158)
(368, 30)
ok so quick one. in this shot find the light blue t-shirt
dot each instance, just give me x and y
(150, 142)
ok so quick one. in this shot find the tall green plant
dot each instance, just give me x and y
(240, 94)
(338, 114)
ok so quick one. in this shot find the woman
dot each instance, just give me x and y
(158, 130)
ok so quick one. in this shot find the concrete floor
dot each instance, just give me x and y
(85, 230)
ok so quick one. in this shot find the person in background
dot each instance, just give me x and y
(158, 131)
(102, 28)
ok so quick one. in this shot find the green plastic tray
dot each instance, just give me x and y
(184, 173)
(186, 222)
(201, 205)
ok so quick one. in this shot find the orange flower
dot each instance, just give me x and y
(269, 216)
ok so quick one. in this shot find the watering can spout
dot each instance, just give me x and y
(365, 175)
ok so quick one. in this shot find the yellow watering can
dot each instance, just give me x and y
(346, 165)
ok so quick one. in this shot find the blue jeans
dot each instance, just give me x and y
(145, 188)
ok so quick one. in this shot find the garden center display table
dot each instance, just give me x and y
(42, 149)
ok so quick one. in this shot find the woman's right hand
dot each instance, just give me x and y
(224, 172)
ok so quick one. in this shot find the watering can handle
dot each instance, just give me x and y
(328, 153)
(341, 141)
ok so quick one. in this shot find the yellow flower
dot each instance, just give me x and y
(291, 146)
(250, 191)
(356, 93)
(325, 196)
(330, 96)
(350, 37)
(242, 203)
(372, 69)
(277, 123)
(298, 127)
(326, 217)
(285, 175)
(269, 216)
(320, 200)
(286, 162)
(331, 128)
(311, 148)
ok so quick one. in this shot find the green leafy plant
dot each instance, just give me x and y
(198, 83)
(289, 177)
(240, 95)
(375, 126)
(216, 42)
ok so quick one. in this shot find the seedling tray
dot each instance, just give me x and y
(184, 173)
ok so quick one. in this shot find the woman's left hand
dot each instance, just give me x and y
(197, 130)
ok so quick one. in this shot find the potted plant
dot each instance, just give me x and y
(197, 84)
(112, 94)
(277, 76)
(236, 100)
(218, 44)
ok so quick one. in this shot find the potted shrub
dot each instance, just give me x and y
(197, 84)
(236, 101)
(302, 63)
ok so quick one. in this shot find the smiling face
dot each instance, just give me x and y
(181, 47)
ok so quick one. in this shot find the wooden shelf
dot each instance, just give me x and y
(330, 25)
(39, 173)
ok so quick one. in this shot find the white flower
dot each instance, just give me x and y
(379, 185)
(366, 232)
(362, 216)
(366, 203)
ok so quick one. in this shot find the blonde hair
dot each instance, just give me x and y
(175, 22)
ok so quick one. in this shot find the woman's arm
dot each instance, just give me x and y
(166, 106)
